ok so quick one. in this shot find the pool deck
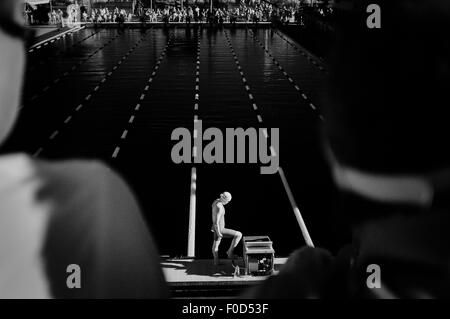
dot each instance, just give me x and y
(199, 278)
(202, 272)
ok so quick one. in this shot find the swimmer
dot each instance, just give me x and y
(219, 230)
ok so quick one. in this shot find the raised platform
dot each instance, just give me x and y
(132, 25)
(199, 277)
(51, 34)
(42, 30)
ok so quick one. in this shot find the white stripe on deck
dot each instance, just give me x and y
(295, 208)
(192, 214)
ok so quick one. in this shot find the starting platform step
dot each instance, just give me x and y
(189, 277)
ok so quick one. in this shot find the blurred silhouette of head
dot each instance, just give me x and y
(389, 88)
(12, 64)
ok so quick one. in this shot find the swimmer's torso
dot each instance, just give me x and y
(216, 207)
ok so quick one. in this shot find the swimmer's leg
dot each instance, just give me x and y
(215, 249)
(236, 235)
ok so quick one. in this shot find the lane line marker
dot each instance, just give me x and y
(68, 119)
(39, 151)
(116, 152)
(54, 135)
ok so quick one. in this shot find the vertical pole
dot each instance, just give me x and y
(192, 214)
(297, 213)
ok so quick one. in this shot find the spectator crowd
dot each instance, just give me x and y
(243, 11)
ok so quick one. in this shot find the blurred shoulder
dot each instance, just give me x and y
(91, 173)
(65, 185)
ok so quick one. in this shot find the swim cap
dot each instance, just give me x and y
(225, 196)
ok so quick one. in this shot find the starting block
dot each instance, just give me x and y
(258, 255)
